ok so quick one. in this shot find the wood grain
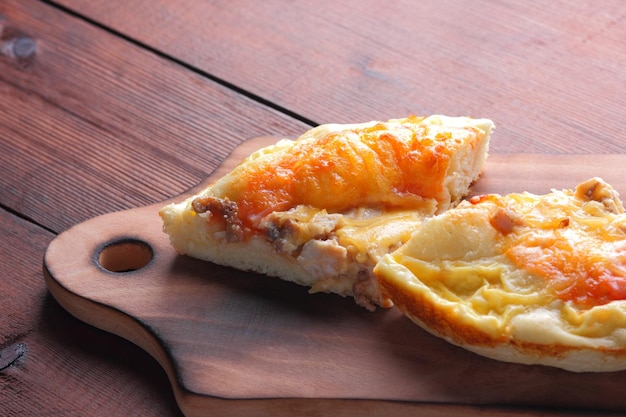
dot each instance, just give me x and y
(223, 333)
(122, 104)
(549, 74)
(53, 364)
(89, 125)
(95, 124)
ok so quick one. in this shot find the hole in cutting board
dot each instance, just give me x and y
(125, 255)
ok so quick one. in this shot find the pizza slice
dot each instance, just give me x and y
(534, 279)
(322, 210)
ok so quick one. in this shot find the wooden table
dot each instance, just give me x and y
(107, 105)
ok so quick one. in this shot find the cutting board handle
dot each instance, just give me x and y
(124, 255)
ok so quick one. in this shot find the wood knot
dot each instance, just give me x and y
(11, 354)
(16, 45)
(23, 47)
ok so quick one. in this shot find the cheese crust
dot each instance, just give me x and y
(322, 210)
(521, 278)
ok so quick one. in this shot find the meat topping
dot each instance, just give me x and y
(223, 209)
(289, 230)
(595, 189)
(504, 221)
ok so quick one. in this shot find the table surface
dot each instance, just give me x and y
(107, 105)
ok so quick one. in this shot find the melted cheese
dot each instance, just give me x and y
(401, 163)
(578, 249)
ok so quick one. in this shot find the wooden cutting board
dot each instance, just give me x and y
(237, 341)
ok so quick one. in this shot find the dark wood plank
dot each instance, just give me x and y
(54, 364)
(92, 123)
(549, 74)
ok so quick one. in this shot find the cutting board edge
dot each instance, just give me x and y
(194, 404)
(77, 306)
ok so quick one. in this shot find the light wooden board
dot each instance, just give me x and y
(240, 340)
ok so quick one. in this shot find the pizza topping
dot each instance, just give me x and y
(397, 164)
(595, 189)
(289, 230)
(367, 293)
(323, 258)
(575, 240)
(576, 245)
(224, 209)
(505, 220)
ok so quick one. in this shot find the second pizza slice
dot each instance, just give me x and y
(523, 278)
